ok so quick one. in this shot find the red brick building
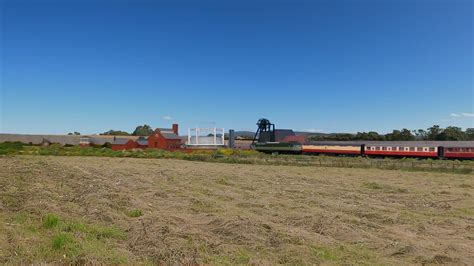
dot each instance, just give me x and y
(124, 144)
(165, 138)
(161, 138)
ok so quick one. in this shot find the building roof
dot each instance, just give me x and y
(120, 141)
(142, 142)
(165, 130)
(167, 133)
(171, 135)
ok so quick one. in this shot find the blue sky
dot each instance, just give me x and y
(330, 66)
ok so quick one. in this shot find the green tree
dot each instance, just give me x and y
(406, 135)
(372, 135)
(433, 132)
(451, 133)
(469, 134)
(115, 133)
(420, 134)
(395, 135)
(144, 130)
(361, 136)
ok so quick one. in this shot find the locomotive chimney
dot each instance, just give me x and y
(175, 129)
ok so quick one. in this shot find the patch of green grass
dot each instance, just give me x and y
(373, 185)
(63, 241)
(50, 220)
(11, 147)
(325, 253)
(93, 231)
(66, 241)
(243, 256)
(343, 254)
(135, 213)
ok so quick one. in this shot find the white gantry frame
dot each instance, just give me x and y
(205, 136)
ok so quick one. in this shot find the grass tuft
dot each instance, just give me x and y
(50, 220)
(135, 213)
(373, 185)
(62, 241)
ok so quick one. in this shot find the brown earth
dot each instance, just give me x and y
(211, 213)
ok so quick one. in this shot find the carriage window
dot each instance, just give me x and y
(412, 148)
(367, 148)
(394, 148)
(377, 148)
(419, 149)
(431, 149)
(384, 148)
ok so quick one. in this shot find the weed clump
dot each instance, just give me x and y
(135, 213)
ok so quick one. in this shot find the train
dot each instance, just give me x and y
(419, 149)
(270, 140)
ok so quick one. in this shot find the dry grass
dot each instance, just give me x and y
(78, 210)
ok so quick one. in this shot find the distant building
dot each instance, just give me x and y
(161, 138)
(165, 138)
(124, 144)
(85, 141)
(142, 143)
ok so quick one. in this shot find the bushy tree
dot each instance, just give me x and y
(470, 134)
(420, 134)
(451, 133)
(144, 130)
(433, 132)
(406, 135)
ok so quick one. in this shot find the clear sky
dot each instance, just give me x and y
(330, 66)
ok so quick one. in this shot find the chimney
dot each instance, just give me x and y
(175, 129)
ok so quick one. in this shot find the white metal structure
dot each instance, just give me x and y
(205, 137)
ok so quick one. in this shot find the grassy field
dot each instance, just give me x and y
(60, 209)
(235, 156)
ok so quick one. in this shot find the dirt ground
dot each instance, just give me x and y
(212, 213)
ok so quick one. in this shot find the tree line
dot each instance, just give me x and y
(432, 133)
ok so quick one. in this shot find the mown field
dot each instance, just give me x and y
(60, 209)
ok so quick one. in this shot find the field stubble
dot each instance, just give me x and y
(117, 210)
